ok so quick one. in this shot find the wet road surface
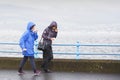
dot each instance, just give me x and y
(13, 75)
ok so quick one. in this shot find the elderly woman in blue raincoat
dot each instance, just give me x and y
(27, 45)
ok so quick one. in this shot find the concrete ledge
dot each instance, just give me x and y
(101, 66)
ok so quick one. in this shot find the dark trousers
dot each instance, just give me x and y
(47, 57)
(32, 62)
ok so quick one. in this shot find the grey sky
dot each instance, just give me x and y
(68, 13)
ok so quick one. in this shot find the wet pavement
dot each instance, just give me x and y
(13, 75)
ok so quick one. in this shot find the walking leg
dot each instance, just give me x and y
(25, 58)
(32, 63)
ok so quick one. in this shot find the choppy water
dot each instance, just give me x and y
(86, 21)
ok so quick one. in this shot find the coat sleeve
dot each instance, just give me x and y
(55, 34)
(35, 36)
(23, 40)
(45, 34)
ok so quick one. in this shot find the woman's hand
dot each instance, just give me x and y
(52, 39)
(56, 30)
(24, 49)
(35, 31)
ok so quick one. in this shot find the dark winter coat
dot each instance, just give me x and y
(48, 33)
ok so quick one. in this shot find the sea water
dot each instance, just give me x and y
(86, 22)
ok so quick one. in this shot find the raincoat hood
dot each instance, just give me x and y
(53, 24)
(30, 24)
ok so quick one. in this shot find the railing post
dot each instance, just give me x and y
(77, 51)
(35, 49)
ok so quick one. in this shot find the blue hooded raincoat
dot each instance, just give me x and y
(27, 40)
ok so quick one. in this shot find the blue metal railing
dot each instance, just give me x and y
(77, 52)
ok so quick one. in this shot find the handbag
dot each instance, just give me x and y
(41, 45)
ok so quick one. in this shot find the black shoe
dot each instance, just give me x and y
(21, 72)
(48, 71)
